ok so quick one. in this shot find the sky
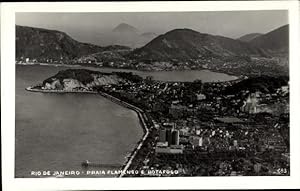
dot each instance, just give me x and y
(92, 27)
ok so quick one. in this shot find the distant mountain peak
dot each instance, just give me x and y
(124, 27)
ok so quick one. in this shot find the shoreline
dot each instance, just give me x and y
(237, 76)
(31, 89)
(140, 114)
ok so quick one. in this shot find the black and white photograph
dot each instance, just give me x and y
(151, 94)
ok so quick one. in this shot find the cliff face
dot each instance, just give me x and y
(64, 81)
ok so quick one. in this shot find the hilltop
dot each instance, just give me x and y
(178, 49)
(83, 79)
(43, 44)
(265, 84)
(275, 41)
(184, 44)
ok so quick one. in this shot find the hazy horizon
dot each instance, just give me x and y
(97, 27)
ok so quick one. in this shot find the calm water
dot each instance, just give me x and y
(59, 131)
(183, 76)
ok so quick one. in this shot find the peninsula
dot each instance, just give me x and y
(238, 127)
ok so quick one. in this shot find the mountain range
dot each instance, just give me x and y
(185, 44)
(276, 41)
(178, 44)
(49, 44)
(43, 44)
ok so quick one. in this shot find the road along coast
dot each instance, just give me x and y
(32, 89)
(142, 117)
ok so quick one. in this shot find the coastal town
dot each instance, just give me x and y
(238, 66)
(231, 128)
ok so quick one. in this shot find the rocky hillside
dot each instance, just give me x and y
(179, 49)
(265, 84)
(276, 41)
(83, 79)
(103, 57)
(36, 43)
(184, 44)
(114, 53)
(72, 79)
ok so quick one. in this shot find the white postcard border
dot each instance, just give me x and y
(10, 183)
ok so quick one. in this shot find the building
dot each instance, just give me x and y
(200, 96)
(174, 149)
(250, 104)
(177, 111)
(162, 144)
(235, 143)
(158, 107)
(162, 135)
(169, 136)
(184, 131)
(197, 141)
(286, 157)
(169, 125)
(257, 167)
(175, 137)
(162, 149)
(228, 120)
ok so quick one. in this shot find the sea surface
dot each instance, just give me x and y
(57, 132)
(177, 76)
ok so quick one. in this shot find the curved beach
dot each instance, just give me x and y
(142, 118)
(140, 113)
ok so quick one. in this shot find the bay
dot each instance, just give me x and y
(57, 132)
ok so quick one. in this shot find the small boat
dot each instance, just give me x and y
(85, 163)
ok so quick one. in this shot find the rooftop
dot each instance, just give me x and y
(228, 119)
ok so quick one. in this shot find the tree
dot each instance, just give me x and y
(197, 85)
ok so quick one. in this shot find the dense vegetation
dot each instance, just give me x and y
(185, 49)
(265, 84)
(129, 76)
(185, 44)
(49, 44)
(276, 40)
(85, 76)
(82, 75)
